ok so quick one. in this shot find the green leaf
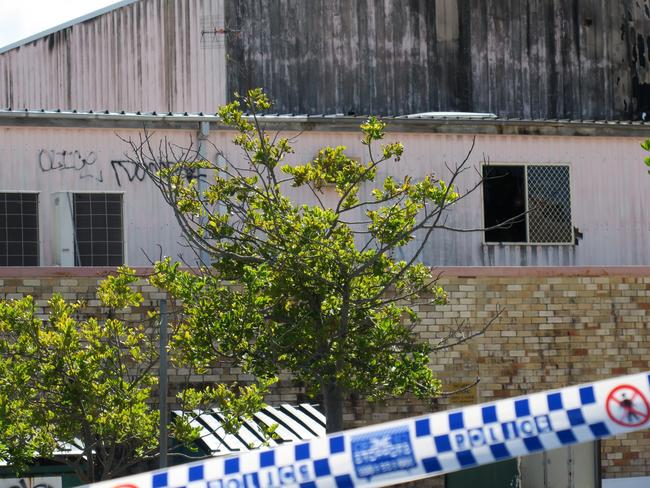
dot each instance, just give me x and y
(303, 278)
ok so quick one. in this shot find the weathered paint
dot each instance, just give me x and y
(532, 58)
(152, 55)
(609, 185)
(516, 58)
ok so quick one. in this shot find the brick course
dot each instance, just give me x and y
(558, 326)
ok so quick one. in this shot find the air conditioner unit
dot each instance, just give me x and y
(62, 234)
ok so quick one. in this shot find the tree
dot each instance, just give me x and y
(88, 383)
(313, 289)
(646, 147)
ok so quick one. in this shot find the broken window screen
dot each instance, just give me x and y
(504, 202)
(18, 229)
(98, 229)
(527, 203)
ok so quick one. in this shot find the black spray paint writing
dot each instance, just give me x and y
(131, 171)
(24, 484)
(52, 160)
(85, 165)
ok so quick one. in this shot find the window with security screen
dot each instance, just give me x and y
(18, 229)
(527, 204)
(98, 229)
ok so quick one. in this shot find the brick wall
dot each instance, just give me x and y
(557, 326)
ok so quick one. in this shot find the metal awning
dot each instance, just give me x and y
(63, 450)
(294, 423)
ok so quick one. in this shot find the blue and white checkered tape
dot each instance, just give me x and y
(407, 450)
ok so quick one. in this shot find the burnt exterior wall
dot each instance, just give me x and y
(578, 59)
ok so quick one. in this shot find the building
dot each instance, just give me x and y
(70, 160)
(574, 282)
(530, 59)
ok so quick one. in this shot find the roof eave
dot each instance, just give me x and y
(326, 123)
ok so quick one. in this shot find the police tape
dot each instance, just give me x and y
(407, 450)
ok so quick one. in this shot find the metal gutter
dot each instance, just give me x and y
(65, 25)
(331, 123)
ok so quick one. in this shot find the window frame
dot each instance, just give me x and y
(527, 243)
(39, 239)
(74, 228)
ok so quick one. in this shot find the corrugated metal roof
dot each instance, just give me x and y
(134, 55)
(65, 25)
(294, 423)
(64, 450)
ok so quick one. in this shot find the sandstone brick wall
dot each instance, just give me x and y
(557, 326)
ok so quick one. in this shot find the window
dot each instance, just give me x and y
(529, 203)
(18, 229)
(98, 229)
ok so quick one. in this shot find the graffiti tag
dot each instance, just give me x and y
(126, 170)
(53, 160)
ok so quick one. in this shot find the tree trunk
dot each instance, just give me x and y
(90, 457)
(332, 391)
(333, 403)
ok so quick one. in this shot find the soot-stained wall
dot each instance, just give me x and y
(579, 59)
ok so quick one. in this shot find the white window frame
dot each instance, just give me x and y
(528, 243)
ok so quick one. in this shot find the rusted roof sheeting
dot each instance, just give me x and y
(148, 55)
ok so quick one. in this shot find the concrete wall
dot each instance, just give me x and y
(558, 326)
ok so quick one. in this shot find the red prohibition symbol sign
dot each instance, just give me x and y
(627, 406)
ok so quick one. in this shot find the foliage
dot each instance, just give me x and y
(89, 382)
(646, 147)
(313, 289)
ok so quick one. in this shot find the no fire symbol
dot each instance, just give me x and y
(627, 406)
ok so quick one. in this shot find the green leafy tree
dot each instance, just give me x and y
(646, 147)
(88, 383)
(313, 289)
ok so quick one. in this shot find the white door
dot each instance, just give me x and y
(568, 467)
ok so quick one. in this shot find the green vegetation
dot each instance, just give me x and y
(313, 289)
(67, 381)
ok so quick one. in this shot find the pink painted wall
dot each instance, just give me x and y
(610, 188)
